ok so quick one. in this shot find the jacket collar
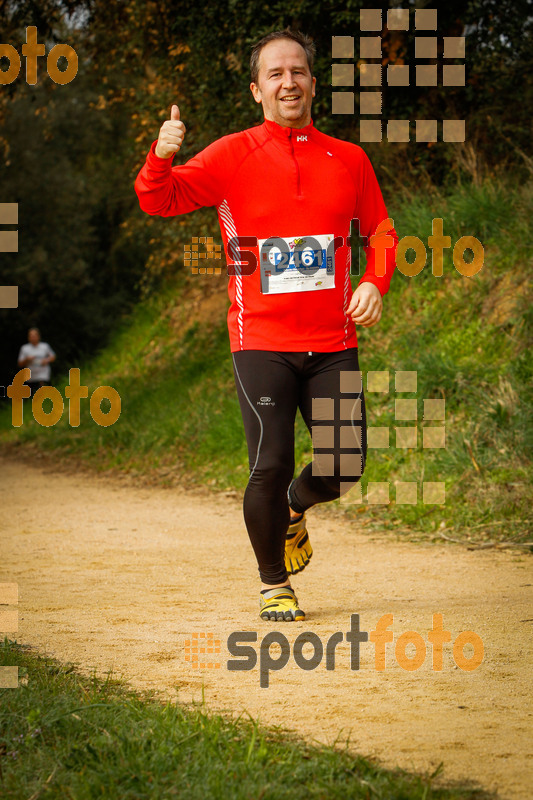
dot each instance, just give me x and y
(283, 132)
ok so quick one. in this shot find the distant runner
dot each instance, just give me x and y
(37, 356)
(285, 194)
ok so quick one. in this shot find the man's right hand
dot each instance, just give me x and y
(171, 135)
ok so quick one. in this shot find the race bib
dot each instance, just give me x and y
(297, 264)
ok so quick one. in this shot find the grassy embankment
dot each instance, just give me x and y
(64, 735)
(468, 339)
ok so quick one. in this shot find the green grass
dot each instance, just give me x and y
(468, 339)
(65, 735)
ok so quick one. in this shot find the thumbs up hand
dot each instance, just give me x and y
(171, 135)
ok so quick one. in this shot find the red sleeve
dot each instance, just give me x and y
(382, 238)
(166, 190)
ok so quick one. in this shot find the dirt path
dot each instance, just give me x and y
(112, 576)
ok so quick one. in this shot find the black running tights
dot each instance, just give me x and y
(271, 386)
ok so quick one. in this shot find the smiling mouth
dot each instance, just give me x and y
(290, 98)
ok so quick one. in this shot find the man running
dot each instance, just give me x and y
(285, 195)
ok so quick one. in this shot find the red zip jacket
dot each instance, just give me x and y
(291, 183)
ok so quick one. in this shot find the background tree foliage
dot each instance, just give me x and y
(69, 154)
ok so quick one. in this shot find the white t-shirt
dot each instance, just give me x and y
(39, 371)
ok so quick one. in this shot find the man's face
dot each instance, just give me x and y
(33, 336)
(284, 84)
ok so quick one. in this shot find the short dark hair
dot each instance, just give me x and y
(301, 38)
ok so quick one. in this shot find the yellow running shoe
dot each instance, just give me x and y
(280, 605)
(298, 550)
